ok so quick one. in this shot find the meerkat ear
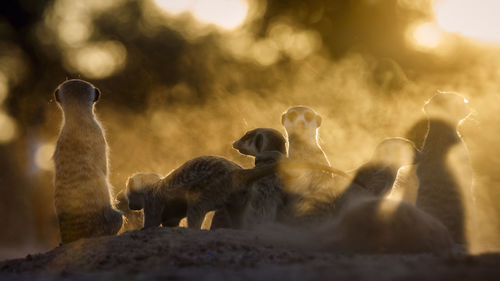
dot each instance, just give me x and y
(56, 95)
(283, 119)
(318, 120)
(97, 94)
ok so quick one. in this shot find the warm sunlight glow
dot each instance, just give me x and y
(99, 60)
(8, 128)
(43, 156)
(224, 13)
(475, 19)
(265, 52)
(427, 35)
(73, 32)
(227, 14)
(175, 6)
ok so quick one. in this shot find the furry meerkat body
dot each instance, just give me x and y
(376, 177)
(265, 195)
(444, 171)
(379, 173)
(82, 190)
(310, 192)
(198, 186)
(168, 212)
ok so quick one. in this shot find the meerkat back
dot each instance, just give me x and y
(82, 190)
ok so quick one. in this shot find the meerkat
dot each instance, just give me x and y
(198, 186)
(379, 173)
(82, 189)
(132, 219)
(310, 191)
(302, 125)
(376, 177)
(265, 196)
(444, 171)
(141, 198)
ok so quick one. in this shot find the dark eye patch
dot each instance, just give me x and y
(309, 116)
(291, 116)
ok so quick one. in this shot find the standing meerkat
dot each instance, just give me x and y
(82, 189)
(265, 197)
(313, 190)
(302, 124)
(444, 171)
(198, 186)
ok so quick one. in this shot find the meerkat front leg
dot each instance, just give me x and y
(153, 214)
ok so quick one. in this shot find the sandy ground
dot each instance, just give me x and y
(185, 254)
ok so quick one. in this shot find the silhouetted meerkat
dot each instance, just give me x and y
(381, 225)
(379, 173)
(198, 186)
(444, 171)
(82, 190)
(265, 197)
(376, 177)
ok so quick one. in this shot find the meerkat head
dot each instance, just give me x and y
(136, 189)
(301, 122)
(396, 152)
(76, 92)
(260, 140)
(447, 106)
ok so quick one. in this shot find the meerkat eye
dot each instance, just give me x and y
(308, 116)
(291, 116)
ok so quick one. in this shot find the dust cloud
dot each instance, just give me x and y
(203, 87)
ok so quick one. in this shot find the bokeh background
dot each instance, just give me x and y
(183, 78)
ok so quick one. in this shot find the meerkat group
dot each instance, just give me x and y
(198, 186)
(292, 181)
